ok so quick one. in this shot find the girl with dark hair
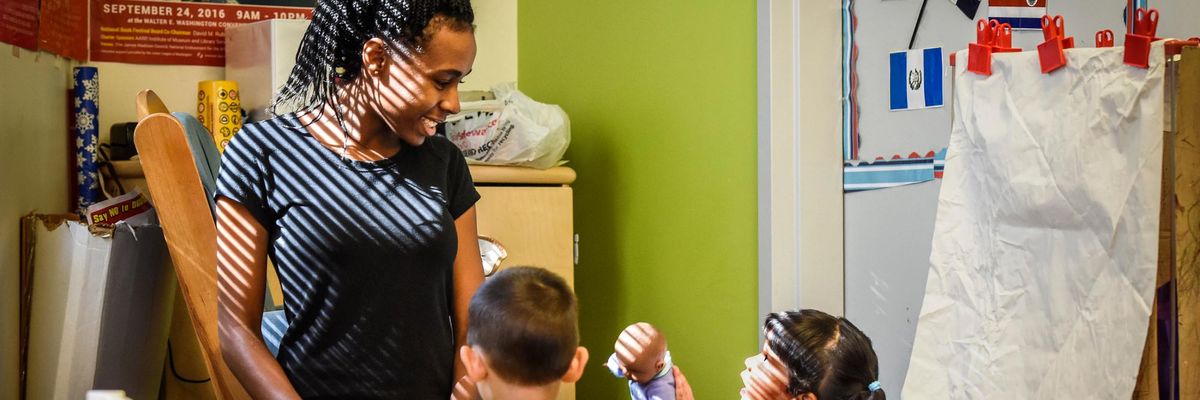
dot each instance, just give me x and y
(811, 355)
(367, 216)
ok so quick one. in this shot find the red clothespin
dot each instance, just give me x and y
(1050, 52)
(1002, 38)
(1137, 43)
(979, 54)
(1104, 38)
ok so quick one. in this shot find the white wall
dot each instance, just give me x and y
(33, 157)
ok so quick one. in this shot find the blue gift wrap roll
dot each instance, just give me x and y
(87, 134)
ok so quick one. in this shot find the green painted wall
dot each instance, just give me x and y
(661, 96)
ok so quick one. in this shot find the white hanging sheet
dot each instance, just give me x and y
(1046, 239)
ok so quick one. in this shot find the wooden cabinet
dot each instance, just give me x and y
(530, 213)
(527, 211)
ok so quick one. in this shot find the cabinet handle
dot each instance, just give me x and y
(492, 253)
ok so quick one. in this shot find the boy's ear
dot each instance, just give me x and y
(476, 367)
(577, 365)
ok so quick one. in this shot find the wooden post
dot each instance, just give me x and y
(1187, 221)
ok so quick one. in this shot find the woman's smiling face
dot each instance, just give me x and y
(420, 89)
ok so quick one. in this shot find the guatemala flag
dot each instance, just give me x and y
(916, 79)
(1021, 14)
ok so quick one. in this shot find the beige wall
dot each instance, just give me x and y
(33, 157)
(120, 83)
(800, 213)
(496, 38)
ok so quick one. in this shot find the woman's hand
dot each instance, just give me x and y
(683, 391)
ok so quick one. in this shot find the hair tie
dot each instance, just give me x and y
(874, 386)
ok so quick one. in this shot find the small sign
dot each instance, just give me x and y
(19, 23)
(916, 79)
(107, 213)
(62, 28)
(175, 33)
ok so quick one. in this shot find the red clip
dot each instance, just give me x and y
(979, 54)
(1055, 26)
(1050, 52)
(1104, 38)
(1137, 43)
(1002, 38)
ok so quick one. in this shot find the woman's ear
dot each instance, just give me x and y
(374, 57)
(807, 396)
(476, 367)
(575, 371)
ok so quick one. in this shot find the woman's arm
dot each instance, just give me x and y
(241, 276)
(468, 275)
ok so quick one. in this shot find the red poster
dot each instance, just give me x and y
(19, 23)
(62, 28)
(154, 32)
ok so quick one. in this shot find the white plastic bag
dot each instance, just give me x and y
(511, 130)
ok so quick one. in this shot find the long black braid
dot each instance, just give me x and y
(825, 355)
(330, 49)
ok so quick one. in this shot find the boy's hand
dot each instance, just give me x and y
(465, 389)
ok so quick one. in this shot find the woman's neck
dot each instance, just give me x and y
(358, 129)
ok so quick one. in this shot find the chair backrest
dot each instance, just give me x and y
(187, 224)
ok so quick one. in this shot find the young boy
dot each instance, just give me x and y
(523, 336)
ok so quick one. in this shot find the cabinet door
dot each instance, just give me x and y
(533, 223)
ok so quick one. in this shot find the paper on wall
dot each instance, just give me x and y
(1045, 244)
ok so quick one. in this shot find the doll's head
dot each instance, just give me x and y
(640, 352)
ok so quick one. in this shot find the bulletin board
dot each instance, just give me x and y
(888, 232)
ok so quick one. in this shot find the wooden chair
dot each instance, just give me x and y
(187, 223)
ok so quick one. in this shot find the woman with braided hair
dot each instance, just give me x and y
(367, 216)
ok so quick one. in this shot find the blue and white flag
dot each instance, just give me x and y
(916, 79)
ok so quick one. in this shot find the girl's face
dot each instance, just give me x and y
(766, 378)
(418, 90)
